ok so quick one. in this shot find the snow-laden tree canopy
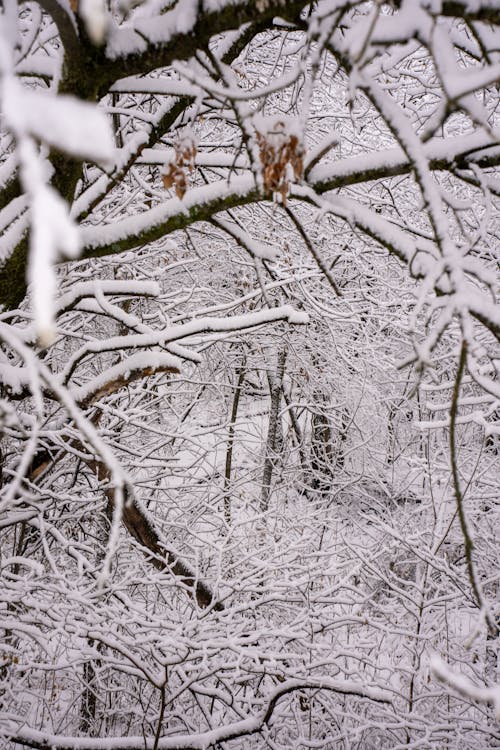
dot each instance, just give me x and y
(249, 374)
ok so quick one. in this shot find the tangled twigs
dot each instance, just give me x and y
(468, 543)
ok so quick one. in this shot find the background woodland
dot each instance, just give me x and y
(249, 374)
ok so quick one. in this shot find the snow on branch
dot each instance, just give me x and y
(84, 289)
(459, 683)
(70, 125)
(64, 122)
(140, 365)
(283, 144)
(203, 740)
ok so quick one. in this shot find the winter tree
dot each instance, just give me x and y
(249, 374)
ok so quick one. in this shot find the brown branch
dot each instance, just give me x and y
(240, 377)
(112, 386)
(141, 527)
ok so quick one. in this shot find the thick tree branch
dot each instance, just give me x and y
(175, 45)
(141, 527)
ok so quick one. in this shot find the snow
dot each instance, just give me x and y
(8, 169)
(11, 212)
(167, 86)
(68, 124)
(96, 19)
(160, 29)
(35, 566)
(14, 378)
(202, 740)
(361, 580)
(107, 286)
(64, 122)
(202, 158)
(52, 232)
(38, 66)
(393, 159)
(128, 369)
(174, 333)
(465, 687)
(257, 249)
(195, 198)
(235, 93)
(13, 235)
(122, 41)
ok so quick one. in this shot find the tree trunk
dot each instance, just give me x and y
(273, 430)
(88, 703)
(240, 378)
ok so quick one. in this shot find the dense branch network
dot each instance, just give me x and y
(179, 183)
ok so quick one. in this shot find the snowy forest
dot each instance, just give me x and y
(249, 374)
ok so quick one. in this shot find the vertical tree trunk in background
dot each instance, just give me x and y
(116, 122)
(491, 670)
(417, 645)
(273, 429)
(321, 447)
(240, 378)
(294, 420)
(391, 447)
(89, 699)
(342, 438)
(88, 704)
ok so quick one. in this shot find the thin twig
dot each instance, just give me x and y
(469, 545)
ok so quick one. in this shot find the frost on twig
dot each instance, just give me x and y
(489, 696)
(276, 163)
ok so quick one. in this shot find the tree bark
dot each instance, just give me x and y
(240, 378)
(273, 430)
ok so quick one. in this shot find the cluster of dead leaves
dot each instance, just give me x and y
(277, 150)
(174, 174)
